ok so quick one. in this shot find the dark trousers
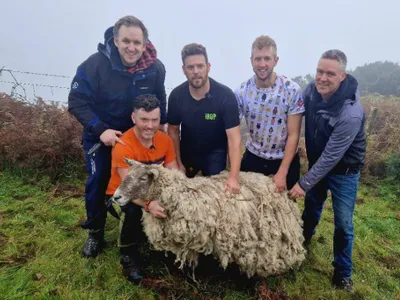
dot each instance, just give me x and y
(131, 229)
(131, 233)
(254, 163)
(209, 164)
(98, 166)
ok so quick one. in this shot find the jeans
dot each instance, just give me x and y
(344, 192)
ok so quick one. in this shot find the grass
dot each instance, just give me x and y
(40, 242)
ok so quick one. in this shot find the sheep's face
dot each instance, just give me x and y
(136, 184)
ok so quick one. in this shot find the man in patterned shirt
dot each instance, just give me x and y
(272, 105)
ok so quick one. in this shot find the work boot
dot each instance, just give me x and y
(307, 243)
(94, 243)
(130, 266)
(345, 284)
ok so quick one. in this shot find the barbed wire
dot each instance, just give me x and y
(36, 84)
(37, 74)
(16, 84)
(22, 84)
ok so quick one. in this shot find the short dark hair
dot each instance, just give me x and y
(148, 102)
(131, 21)
(193, 49)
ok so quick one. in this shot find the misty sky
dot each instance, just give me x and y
(56, 36)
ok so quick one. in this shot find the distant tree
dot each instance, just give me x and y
(378, 77)
(303, 81)
(309, 78)
(300, 81)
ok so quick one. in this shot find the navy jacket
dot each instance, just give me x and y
(102, 91)
(334, 132)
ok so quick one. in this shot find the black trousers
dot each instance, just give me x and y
(254, 163)
(209, 164)
(130, 225)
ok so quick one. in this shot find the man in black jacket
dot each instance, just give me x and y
(101, 98)
(336, 145)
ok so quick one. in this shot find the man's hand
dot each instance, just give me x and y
(280, 182)
(163, 128)
(296, 192)
(110, 137)
(232, 185)
(181, 167)
(156, 210)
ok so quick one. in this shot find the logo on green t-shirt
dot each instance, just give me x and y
(210, 116)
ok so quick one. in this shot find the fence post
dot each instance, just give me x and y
(371, 121)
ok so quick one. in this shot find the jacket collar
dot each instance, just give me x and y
(346, 93)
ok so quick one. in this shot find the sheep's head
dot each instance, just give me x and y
(137, 182)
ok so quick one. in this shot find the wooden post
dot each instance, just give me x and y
(371, 121)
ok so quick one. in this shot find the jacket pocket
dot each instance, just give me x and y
(145, 83)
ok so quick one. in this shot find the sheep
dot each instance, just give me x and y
(258, 229)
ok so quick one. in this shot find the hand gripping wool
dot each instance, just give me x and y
(258, 229)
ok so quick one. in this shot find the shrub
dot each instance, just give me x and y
(383, 133)
(393, 165)
(40, 137)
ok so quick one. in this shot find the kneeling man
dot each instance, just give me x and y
(145, 144)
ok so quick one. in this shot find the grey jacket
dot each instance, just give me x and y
(334, 132)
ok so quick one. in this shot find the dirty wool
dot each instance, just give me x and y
(258, 229)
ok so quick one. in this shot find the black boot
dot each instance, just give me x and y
(307, 244)
(94, 243)
(345, 284)
(130, 261)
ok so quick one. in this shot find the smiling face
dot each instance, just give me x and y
(146, 123)
(263, 62)
(328, 78)
(130, 44)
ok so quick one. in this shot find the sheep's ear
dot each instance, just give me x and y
(131, 162)
(154, 173)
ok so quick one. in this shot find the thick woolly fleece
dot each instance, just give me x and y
(258, 229)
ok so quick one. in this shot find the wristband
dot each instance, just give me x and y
(146, 205)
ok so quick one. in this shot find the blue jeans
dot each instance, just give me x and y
(344, 192)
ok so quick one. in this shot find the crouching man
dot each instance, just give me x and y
(143, 143)
(336, 145)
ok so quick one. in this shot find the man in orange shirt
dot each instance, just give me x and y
(144, 144)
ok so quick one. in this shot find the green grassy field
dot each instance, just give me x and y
(40, 242)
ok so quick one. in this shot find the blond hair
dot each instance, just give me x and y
(264, 41)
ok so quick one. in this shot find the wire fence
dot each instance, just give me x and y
(28, 91)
